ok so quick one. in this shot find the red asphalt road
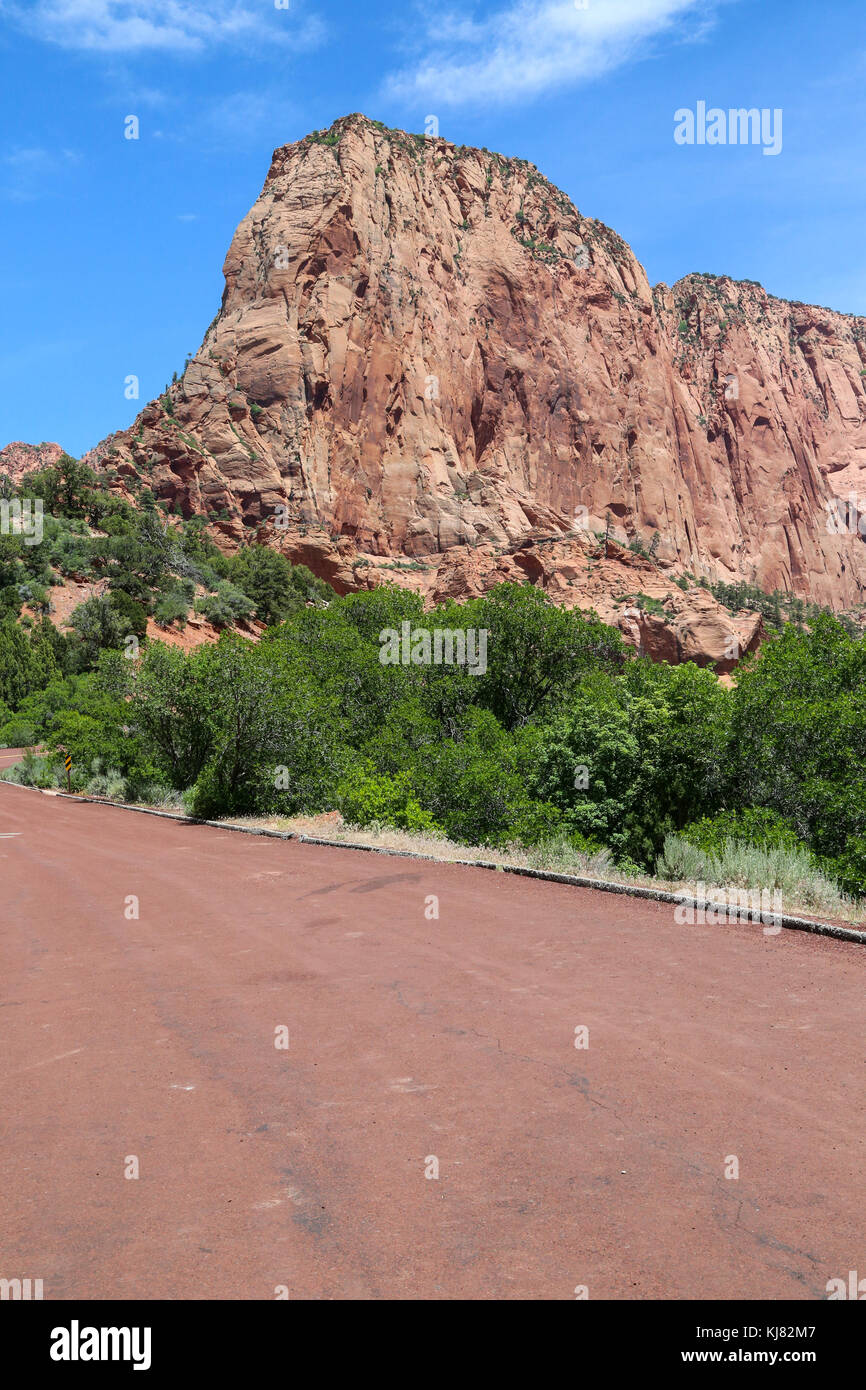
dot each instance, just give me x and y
(409, 1038)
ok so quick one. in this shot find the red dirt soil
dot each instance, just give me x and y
(409, 1038)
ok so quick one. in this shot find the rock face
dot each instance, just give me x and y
(424, 349)
(628, 591)
(17, 459)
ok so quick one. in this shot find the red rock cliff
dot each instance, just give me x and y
(422, 347)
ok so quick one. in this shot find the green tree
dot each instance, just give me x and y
(27, 662)
(133, 614)
(635, 757)
(268, 579)
(98, 626)
(167, 699)
(798, 732)
(245, 717)
(536, 652)
(65, 487)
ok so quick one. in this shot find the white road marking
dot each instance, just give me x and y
(48, 1061)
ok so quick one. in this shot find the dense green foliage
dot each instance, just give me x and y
(560, 735)
(798, 741)
(606, 750)
(27, 661)
(761, 828)
(138, 565)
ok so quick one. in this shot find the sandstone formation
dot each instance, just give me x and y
(18, 459)
(425, 355)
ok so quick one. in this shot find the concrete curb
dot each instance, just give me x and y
(660, 895)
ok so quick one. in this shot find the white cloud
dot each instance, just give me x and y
(534, 46)
(182, 26)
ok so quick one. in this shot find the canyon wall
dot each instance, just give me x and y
(424, 347)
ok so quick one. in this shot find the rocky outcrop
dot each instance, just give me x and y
(651, 610)
(426, 356)
(18, 459)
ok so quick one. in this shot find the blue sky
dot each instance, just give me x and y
(111, 250)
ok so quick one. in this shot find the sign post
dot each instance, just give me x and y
(68, 765)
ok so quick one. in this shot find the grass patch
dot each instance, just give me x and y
(738, 864)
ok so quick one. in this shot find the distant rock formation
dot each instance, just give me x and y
(18, 459)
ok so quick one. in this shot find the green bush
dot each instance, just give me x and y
(98, 626)
(476, 788)
(274, 586)
(17, 732)
(133, 614)
(227, 606)
(366, 798)
(172, 606)
(761, 828)
(34, 771)
(681, 860)
(27, 662)
(106, 783)
(652, 743)
(849, 867)
(798, 733)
